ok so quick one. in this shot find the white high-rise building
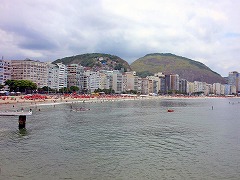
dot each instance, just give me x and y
(62, 76)
(5, 71)
(117, 81)
(57, 76)
(198, 86)
(217, 89)
(94, 81)
(53, 73)
(1, 72)
(91, 81)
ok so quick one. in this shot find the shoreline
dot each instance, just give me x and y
(54, 100)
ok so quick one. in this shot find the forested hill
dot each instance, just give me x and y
(169, 63)
(148, 65)
(96, 61)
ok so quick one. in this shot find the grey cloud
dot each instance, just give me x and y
(30, 39)
(56, 29)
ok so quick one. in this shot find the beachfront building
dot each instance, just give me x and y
(217, 89)
(234, 80)
(1, 72)
(144, 86)
(172, 82)
(198, 87)
(150, 86)
(92, 81)
(207, 89)
(183, 86)
(210, 88)
(57, 76)
(34, 71)
(222, 92)
(117, 81)
(139, 86)
(62, 76)
(7, 70)
(75, 76)
(190, 88)
(161, 84)
(53, 76)
(86, 86)
(104, 80)
(154, 83)
(227, 89)
(130, 81)
(233, 90)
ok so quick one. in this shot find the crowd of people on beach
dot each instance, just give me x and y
(39, 98)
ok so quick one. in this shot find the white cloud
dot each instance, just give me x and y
(207, 31)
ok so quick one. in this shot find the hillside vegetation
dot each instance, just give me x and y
(169, 63)
(96, 61)
(148, 65)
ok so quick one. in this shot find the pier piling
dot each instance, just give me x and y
(21, 117)
(22, 122)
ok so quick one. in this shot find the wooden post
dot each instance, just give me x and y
(22, 122)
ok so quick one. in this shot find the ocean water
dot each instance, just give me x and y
(135, 139)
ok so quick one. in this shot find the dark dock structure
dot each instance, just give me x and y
(22, 117)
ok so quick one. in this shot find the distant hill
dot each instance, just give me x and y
(169, 63)
(96, 61)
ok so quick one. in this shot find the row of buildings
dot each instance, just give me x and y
(58, 76)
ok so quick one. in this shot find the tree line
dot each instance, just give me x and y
(27, 86)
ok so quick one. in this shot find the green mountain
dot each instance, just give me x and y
(169, 63)
(96, 61)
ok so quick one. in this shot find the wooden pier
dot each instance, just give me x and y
(22, 117)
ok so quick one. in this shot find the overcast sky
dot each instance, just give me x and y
(204, 30)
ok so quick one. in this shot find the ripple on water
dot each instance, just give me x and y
(124, 140)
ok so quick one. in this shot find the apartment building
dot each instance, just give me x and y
(5, 71)
(234, 80)
(34, 71)
(227, 89)
(105, 80)
(207, 89)
(217, 89)
(172, 82)
(62, 75)
(130, 81)
(57, 76)
(75, 76)
(154, 82)
(144, 86)
(94, 81)
(1, 73)
(198, 86)
(53, 76)
(162, 82)
(183, 86)
(117, 81)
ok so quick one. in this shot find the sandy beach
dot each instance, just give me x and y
(27, 101)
